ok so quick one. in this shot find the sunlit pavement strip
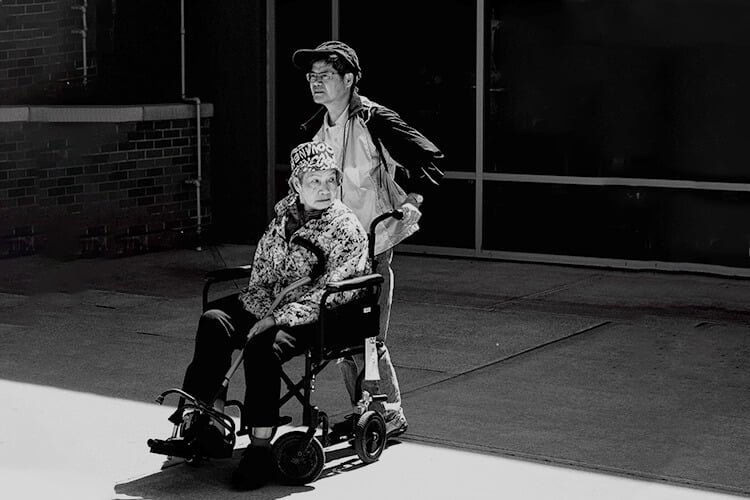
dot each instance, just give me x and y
(68, 445)
(63, 444)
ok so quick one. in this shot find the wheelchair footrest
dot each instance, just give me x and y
(175, 447)
(180, 447)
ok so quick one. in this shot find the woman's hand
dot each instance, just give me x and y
(261, 326)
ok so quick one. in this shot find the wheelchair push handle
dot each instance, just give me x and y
(396, 214)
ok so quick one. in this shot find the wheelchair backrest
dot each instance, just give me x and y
(343, 329)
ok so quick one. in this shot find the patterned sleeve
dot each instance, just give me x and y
(347, 259)
(257, 297)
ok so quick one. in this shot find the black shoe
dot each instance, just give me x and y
(254, 470)
(205, 438)
(213, 443)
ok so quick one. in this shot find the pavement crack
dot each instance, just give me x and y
(544, 293)
(588, 329)
(150, 334)
(405, 367)
(451, 305)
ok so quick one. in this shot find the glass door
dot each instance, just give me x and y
(419, 58)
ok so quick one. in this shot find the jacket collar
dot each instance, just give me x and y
(356, 106)
(290, 201)
(283, 206)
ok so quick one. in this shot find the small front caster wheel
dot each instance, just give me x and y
(369, 436)
(298, 463)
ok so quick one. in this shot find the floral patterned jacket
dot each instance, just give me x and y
(278, 263)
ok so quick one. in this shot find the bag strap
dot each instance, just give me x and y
(319, 266)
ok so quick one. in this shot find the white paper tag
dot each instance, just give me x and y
(371, 359)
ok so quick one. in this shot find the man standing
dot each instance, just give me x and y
(271, 336)
(387, 165)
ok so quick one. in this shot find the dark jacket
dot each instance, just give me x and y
(413, 151)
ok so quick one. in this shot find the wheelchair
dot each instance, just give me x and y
(342, 331)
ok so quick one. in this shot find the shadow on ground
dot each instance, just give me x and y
(211, 479)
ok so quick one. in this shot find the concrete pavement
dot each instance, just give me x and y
(519, 381)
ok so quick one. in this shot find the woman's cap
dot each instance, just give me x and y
(312, 156)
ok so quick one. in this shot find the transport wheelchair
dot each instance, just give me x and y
(343, 331)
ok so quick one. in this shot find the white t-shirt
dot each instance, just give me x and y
(359, 188)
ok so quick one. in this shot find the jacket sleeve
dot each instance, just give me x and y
(410, 148)
(346, 259)
(257, 297)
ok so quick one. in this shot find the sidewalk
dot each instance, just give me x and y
(519, 381)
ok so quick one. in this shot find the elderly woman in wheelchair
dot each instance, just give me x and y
(310, 266)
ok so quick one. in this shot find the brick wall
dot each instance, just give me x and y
(39, 49)
(82, 188)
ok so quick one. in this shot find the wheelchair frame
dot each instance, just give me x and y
(300, 455)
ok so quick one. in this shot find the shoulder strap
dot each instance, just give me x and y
(319, 255)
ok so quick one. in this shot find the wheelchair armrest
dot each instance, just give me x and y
(354, 283)
(229, 273)
(226, 274)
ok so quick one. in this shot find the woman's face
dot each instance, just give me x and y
(317, 189)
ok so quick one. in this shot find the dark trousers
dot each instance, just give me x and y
(221, 330)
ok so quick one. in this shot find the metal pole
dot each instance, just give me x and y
(182, 49)
(335, 19)
(199, 178)
(83, 36)
(84, 33)
(197, 181)
(479, 140)
(270, 106)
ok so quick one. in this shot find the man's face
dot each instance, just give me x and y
(327, 86)
(317, 189)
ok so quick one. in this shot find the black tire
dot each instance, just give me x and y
(369, 436)
(298, 466)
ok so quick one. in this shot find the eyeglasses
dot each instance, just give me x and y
(321, 77)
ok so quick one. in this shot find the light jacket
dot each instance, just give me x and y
(279, 261)
(410, 164)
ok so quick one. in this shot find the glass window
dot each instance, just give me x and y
(618, 89)
(418, 58)
(300, 24)
(618, 222)
(448, 219)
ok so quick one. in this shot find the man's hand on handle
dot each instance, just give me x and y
(411, 213)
